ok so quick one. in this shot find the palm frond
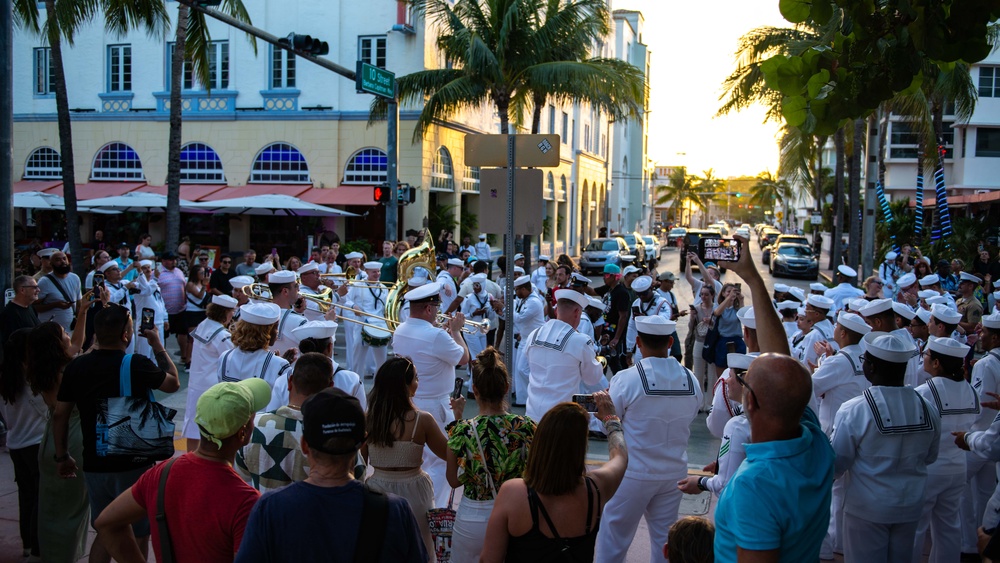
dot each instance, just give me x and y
(197, 42)
(26, 16)
(122, 16)
(237, 10)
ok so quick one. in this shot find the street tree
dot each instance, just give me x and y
(678, 191)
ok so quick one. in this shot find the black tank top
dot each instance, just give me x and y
(537, 548)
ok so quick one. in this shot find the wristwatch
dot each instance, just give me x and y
(701, 483)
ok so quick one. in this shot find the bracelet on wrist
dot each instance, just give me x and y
(610, 417)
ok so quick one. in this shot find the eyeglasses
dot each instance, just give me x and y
(227, 261)
(739, 378)
(30, 286)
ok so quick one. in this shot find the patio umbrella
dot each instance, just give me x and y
(269, 205)
(134, 201)
(44, 201)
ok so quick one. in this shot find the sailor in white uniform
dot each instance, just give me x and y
(478, 307)
(958, 404)
(884, 441)
(907, 289)
(780, 293)
(370, 298)
(933, 283)
(149, 297)
(647, 304)
(880, 315)
(844, 291)
(448, 280)
(559, 357)
(209, 341)
(944, 322)
(855, 305)
(820, 330)
(657, 398)
(889, 272)
(787, 310)
(539, 277)
(587, 327)
(723, 407)
(263, 270)
(529, 314)
(318, 337)
(284, 289)
(310, 284)
(251, 356)
(353, 260)
(118, 291)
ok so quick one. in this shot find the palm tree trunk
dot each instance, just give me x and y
(854, 216)
(838, 202)
(818, 188)
(65, 141)
(536, 112)
(174, 142)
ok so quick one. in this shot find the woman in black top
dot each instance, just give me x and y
(554, 512)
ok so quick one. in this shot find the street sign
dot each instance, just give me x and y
(531, 150)
(493, 198)
(375, 80)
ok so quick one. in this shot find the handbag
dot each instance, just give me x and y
(134, 426)
(441, 522)
(708, 349)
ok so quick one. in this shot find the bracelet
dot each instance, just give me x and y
(610, 417)
(613, 426)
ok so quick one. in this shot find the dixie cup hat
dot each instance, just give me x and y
(264, 269)
(46, 252)
(906, 280)
(930, 280)
(655, 325)
(572, 295)
(853, 323)
(947, 346)
(875, 307)
(315, 329)
(746, 317)
(888, 347)
(523, 280)
(373, 265)
(263, 314)
(781, 288)
(224, 301)
(353, 256)
(281, 276)
(945, 314)
(240, 282)
(308, 267)
(641, 283)
(991, 321)
(923, 314)
(427, 292)
(904, 310)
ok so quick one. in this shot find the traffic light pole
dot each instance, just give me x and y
(392, 161)
(6, 147)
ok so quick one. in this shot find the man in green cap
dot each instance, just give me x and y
(206, 503)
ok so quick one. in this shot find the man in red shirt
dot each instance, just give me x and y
(206, 503)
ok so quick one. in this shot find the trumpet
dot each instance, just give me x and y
(470, 327)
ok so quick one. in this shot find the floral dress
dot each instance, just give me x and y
(505, 439)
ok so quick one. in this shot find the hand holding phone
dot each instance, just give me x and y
(586, 401)
(147, 319)
(718, 250)
(459, 385)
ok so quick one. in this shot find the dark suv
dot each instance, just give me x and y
(691, 243)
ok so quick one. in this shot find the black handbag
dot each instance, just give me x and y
(708, 349)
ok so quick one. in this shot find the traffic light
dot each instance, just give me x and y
(306, 43)
(406, 194)
(382, 193)
(738, 195)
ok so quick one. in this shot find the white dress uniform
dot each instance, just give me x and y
(445, 279)
(434, 354)
(351, 334)
(657, 398)
(345, 380)
(558, 359)
(723, 408)
(980, 472)
(958, 405)
(149, 297)
(841, 294)
(118, 293)
(289, 320)
(656, 306)
(804, 351)
(884, 440)
(372, 300)
(483, 251)
(529, 314)
(312, 312)
(210, 340)
(791, 328)
(586, 328)
(986, 444)
(732, 452)
(914, 368)
(237, 365)
(490, 287)
(539, 278)
(477, 342)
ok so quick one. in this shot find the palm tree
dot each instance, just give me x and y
(62, 19)
(707, 187)
(678, 190)
(769, 191)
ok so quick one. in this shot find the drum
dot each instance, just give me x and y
(376, 337)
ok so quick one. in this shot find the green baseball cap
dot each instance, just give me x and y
(226, 407)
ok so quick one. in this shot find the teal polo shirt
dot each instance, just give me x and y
(779, 498)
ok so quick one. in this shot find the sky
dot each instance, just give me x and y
(692, 44)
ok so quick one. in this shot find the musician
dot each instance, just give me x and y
(647, 304)
(311, 284)
(369, 298)
(478, 307)
(252, 338)
(448, 279)
(285, 293)
(420, 277)
(263, 270)
(149, 297)
(354, 261)
(435, 353)
(529, 314)
(319, 337)
(210, 340)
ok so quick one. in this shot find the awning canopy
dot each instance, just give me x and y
(273, 204)
(94, 190)
(343, 195)
(251, 190)
(23, 186)
(190, 192)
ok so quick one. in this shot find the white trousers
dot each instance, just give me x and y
(440, 409)
(834, 541)
(942, 497)
(869, 542)
(981, 480)
(363, 354)
(657, 501)
(704, 372)
(470, 529)
(142, 345)
(991, 515)
(352, 333)
(521, 377)
(476, 344)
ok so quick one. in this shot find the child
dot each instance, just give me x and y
(690, 541)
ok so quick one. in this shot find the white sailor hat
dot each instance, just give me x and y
(745, 315)
(781, 288)
(630, 270)
(820, 302)
(853, 323)
(798, 293)
(800, 311)
(642, 283)
(945, 314)
(927, 293)
(891, 255)
(936, 300)
(420, 275)
(848, 271)
(966, 276)
(888, 347)
(456, 262)
(315, 329)
(816, 286)
(857, 304)
(264, 314)
(522, 280)
(947, 346)
(417, 281)
(926, 260)
(655, 325)
(281, 276)
(904, 310)
(518, 270)
(923, 314)
(240, 281)
(580, 278)
(572, 295)
(740, 361)
(518, 256)
(875, 307)
(628, 258)
(308, 267)
(543, 258)
(424, 292)
(224, 301)
(906, 280)
(477, 278)
(991, 321)
(930, 279)
(264, 269)
(786, 305)
(595, 302)
(353, 256)
(373, 265)
(46, 252)
(145, 263)
(482, 236)
(110, 264)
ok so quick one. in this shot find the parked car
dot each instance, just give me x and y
(797, 239)
(653, 251)
(636, 247)
(793, 259)
(603, 251)
(675, 238)
(691, 244)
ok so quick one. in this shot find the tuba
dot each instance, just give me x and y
(421, 256)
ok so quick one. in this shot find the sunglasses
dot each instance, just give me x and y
(738, 374)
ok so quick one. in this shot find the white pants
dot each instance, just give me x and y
(981, 480)
(440, 409)
(142, 345)
(834, 540)
(659, 501)
(470, 529)
(869, 542)
(704, 372)
(942, 497)
(352, 333)
(361, 354)
(476, 344)
(991, 515)
(521, 372)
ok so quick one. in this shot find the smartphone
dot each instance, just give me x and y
(586, 401)
(718, 250)
(739, 286)
(459, 385)
(98, 280)
(274, 252)
(147, 319)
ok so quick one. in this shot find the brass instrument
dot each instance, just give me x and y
(348, 274)
(471, 327)
(259, 291)
(421, 256)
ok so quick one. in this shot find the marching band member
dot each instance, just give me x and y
(370, 299)
(647, 304)
(477, 307)
(310, 284)
(252, 338)
(263, 270)
(210, 341)
(448, 280)
(529, 314)
(319, 337)
(149, 298)
(284, 289)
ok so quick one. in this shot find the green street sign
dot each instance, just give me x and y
(375, 80)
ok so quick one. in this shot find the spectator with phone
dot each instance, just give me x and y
(727, 322)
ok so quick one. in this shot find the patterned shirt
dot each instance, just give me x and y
(172, 290)
(273, 458)
(505, 440)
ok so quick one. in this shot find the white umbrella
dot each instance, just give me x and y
(44, 201)
(134, 201)
(273, 204)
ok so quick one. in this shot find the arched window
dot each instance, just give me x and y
(367, 166)
(200, 163)
(280, 163)
(561, 195)
(442, 172)
(550, 187)
(117, 161)
(43, 164)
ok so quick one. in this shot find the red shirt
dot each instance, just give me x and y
(207, 507)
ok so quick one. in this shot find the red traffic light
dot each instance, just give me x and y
(381, 194)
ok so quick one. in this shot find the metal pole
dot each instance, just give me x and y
(6, 145)
(508, 292)
(392, 148)
(868, 221)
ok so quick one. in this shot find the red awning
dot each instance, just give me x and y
(993, 195)
(94, 190)
(342, 195)
(35, 185)
(251, 190)
(190, 192)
